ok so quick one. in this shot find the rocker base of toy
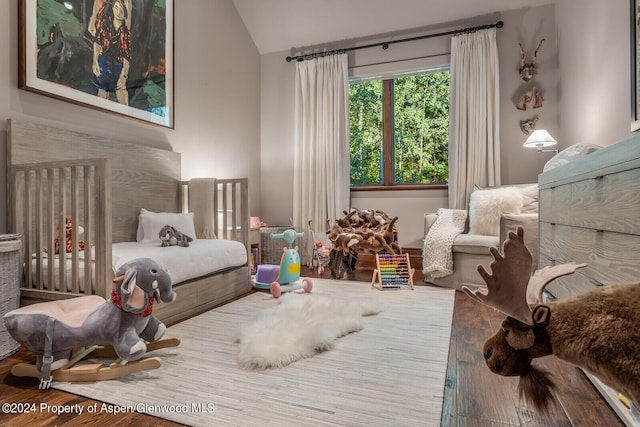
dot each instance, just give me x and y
(276, 289)
(97, 371)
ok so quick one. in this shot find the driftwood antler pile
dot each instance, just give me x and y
(360, 231)
(598, 331)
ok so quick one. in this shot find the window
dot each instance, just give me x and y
(400, 130)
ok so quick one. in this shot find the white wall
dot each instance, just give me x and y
(519, 165)
(276, 138)
(527, 26)
(594, 52)
(217, 94)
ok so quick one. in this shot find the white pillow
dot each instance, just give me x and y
(140, 232)
(486, 206)
(574, 152)
(152, 222)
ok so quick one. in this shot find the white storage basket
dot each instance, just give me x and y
(9, 288)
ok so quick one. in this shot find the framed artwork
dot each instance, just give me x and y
(635, 65)
(111, 55)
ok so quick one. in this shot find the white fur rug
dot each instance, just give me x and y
(300, 326)
(391, 373)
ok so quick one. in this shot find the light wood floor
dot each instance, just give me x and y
(473, 395)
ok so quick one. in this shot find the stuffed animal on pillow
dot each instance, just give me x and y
(172, 237)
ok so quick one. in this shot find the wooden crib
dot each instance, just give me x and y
(101, 184)
(43, 195)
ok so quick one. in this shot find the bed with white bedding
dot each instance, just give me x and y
(106, 186)
(202, 257)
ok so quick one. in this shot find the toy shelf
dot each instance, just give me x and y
(392, 272)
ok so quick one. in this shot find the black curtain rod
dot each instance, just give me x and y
(385, 45)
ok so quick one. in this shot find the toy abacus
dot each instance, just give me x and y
(394, 271)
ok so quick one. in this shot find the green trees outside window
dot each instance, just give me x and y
(400, 130)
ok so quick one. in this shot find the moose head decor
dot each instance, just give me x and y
(598, 331)
(528, 69)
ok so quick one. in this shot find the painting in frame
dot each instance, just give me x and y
(111, 55)
(635, 65)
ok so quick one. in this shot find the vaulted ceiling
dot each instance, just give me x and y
(279, 25)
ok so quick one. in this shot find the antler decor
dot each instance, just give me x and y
(529, 69)
(511, 287)
(541, 278)
(507, 286)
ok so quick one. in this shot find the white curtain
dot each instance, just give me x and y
(474, 133)
(321, 169)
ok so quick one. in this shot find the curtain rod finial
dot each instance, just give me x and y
(288, 59)
(500, 24)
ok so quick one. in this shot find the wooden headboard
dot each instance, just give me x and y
(141, 176)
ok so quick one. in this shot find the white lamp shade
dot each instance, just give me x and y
(539, 138)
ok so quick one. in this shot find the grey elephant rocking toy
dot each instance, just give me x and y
(65, 332)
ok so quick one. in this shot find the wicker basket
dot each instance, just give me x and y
(271, 249)
(9, 288)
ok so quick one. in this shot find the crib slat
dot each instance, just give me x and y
(225, 226)
(234, 220)
(244, 214)
(75, 217)
(74, 212)
(26, 226)
(89, 199)
(38, 228)
(62, 197)
(103, 226)
(216, 217)
(50, 227)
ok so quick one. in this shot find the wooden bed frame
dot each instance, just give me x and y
(102, 184)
